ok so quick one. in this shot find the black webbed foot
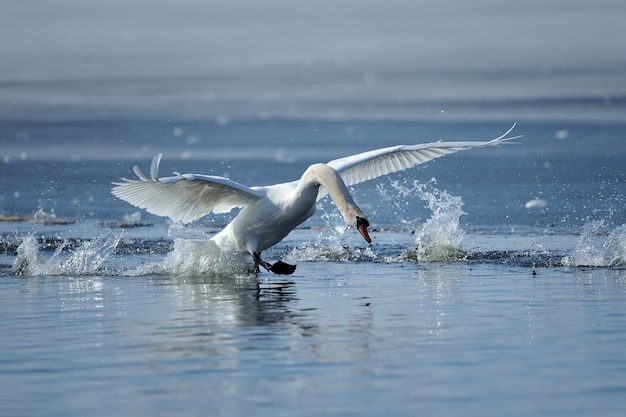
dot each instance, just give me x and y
(283, 268)
(279, 267)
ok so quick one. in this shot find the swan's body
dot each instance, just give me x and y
(269, 213)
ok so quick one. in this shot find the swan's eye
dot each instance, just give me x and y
(360, 221)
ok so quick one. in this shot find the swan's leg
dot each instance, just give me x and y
(279, 267)
(260, 262)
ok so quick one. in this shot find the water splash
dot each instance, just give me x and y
(193, 257)
(187, 257)
(89, 257)
(333, 243)
(27, 260)
(598, 248)
(193, 253)
(86, 259)
(323, 252)
(438, 237)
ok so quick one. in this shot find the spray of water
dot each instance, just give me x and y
(335, 242)
(95, 257)
(193, 257)
(438, 237)
(596, 247)
(87, 259)
(27, 260)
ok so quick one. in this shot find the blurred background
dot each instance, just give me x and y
(331, 60)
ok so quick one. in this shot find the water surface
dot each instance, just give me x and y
(495, 281)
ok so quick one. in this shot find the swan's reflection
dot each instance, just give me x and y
(217, 317)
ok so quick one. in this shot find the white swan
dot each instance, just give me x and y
(269, 213)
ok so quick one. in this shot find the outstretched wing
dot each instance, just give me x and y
(184, 197)
(373, 164)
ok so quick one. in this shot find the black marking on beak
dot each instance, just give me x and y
(362, 225)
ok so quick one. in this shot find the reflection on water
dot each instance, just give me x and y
(242, 301)
(438, 287)
(355, 338)
(212, 318)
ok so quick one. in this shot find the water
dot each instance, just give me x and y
(467, 300)
(496, 280)
(348, 338)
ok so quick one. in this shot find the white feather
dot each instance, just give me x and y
(269, 213)
(366, 166)
(184, 197)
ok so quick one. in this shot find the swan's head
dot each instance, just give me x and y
(356, 218)
(361, 225)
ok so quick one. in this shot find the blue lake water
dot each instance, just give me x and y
(466, 302)
(496, 280)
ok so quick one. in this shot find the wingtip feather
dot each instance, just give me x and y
(154, 167)
(503, 139)
(139, 173)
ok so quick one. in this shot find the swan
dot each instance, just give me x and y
(269, 213)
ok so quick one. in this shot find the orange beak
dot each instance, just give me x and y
(361, 225)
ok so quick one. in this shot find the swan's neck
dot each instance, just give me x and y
(326, 176)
